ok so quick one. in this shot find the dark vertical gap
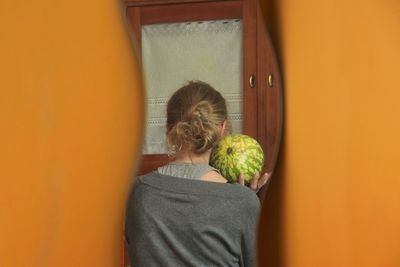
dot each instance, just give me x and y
(271, 235)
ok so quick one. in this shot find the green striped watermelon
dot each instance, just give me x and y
(237, 153)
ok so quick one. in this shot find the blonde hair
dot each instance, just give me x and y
(195, 114)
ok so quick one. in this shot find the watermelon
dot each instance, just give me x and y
(235, 154)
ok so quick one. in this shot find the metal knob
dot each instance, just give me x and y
(252, 81)
(270, 80)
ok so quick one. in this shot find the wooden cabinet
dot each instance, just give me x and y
(260, 86)
(262, 100)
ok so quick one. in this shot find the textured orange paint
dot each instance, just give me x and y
(71, 116)
(335, 198)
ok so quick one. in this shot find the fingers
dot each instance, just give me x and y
(263, 180)
(241, 179)
(254, 182)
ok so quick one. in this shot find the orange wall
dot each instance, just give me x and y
(71, 109)
(335, 197)
(70, 121)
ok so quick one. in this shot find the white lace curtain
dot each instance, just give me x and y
(175, 53)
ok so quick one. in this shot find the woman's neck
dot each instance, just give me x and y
(190, 157)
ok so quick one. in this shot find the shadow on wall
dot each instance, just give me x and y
(271, 225)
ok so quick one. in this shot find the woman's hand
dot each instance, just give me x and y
(256, 182)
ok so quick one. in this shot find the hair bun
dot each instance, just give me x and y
(201, 110)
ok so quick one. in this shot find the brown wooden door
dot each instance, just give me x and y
(156, 12)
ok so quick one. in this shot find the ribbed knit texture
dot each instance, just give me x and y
(186, 170)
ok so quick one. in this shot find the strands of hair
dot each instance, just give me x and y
(195, 113)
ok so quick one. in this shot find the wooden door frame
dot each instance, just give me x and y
(166, 11)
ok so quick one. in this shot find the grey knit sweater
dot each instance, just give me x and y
(173, 221)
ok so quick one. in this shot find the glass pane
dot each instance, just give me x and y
(174, 53)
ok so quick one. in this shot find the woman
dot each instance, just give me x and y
(185, 213)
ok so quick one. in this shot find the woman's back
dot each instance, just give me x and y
(201, 221)
(174, 221)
